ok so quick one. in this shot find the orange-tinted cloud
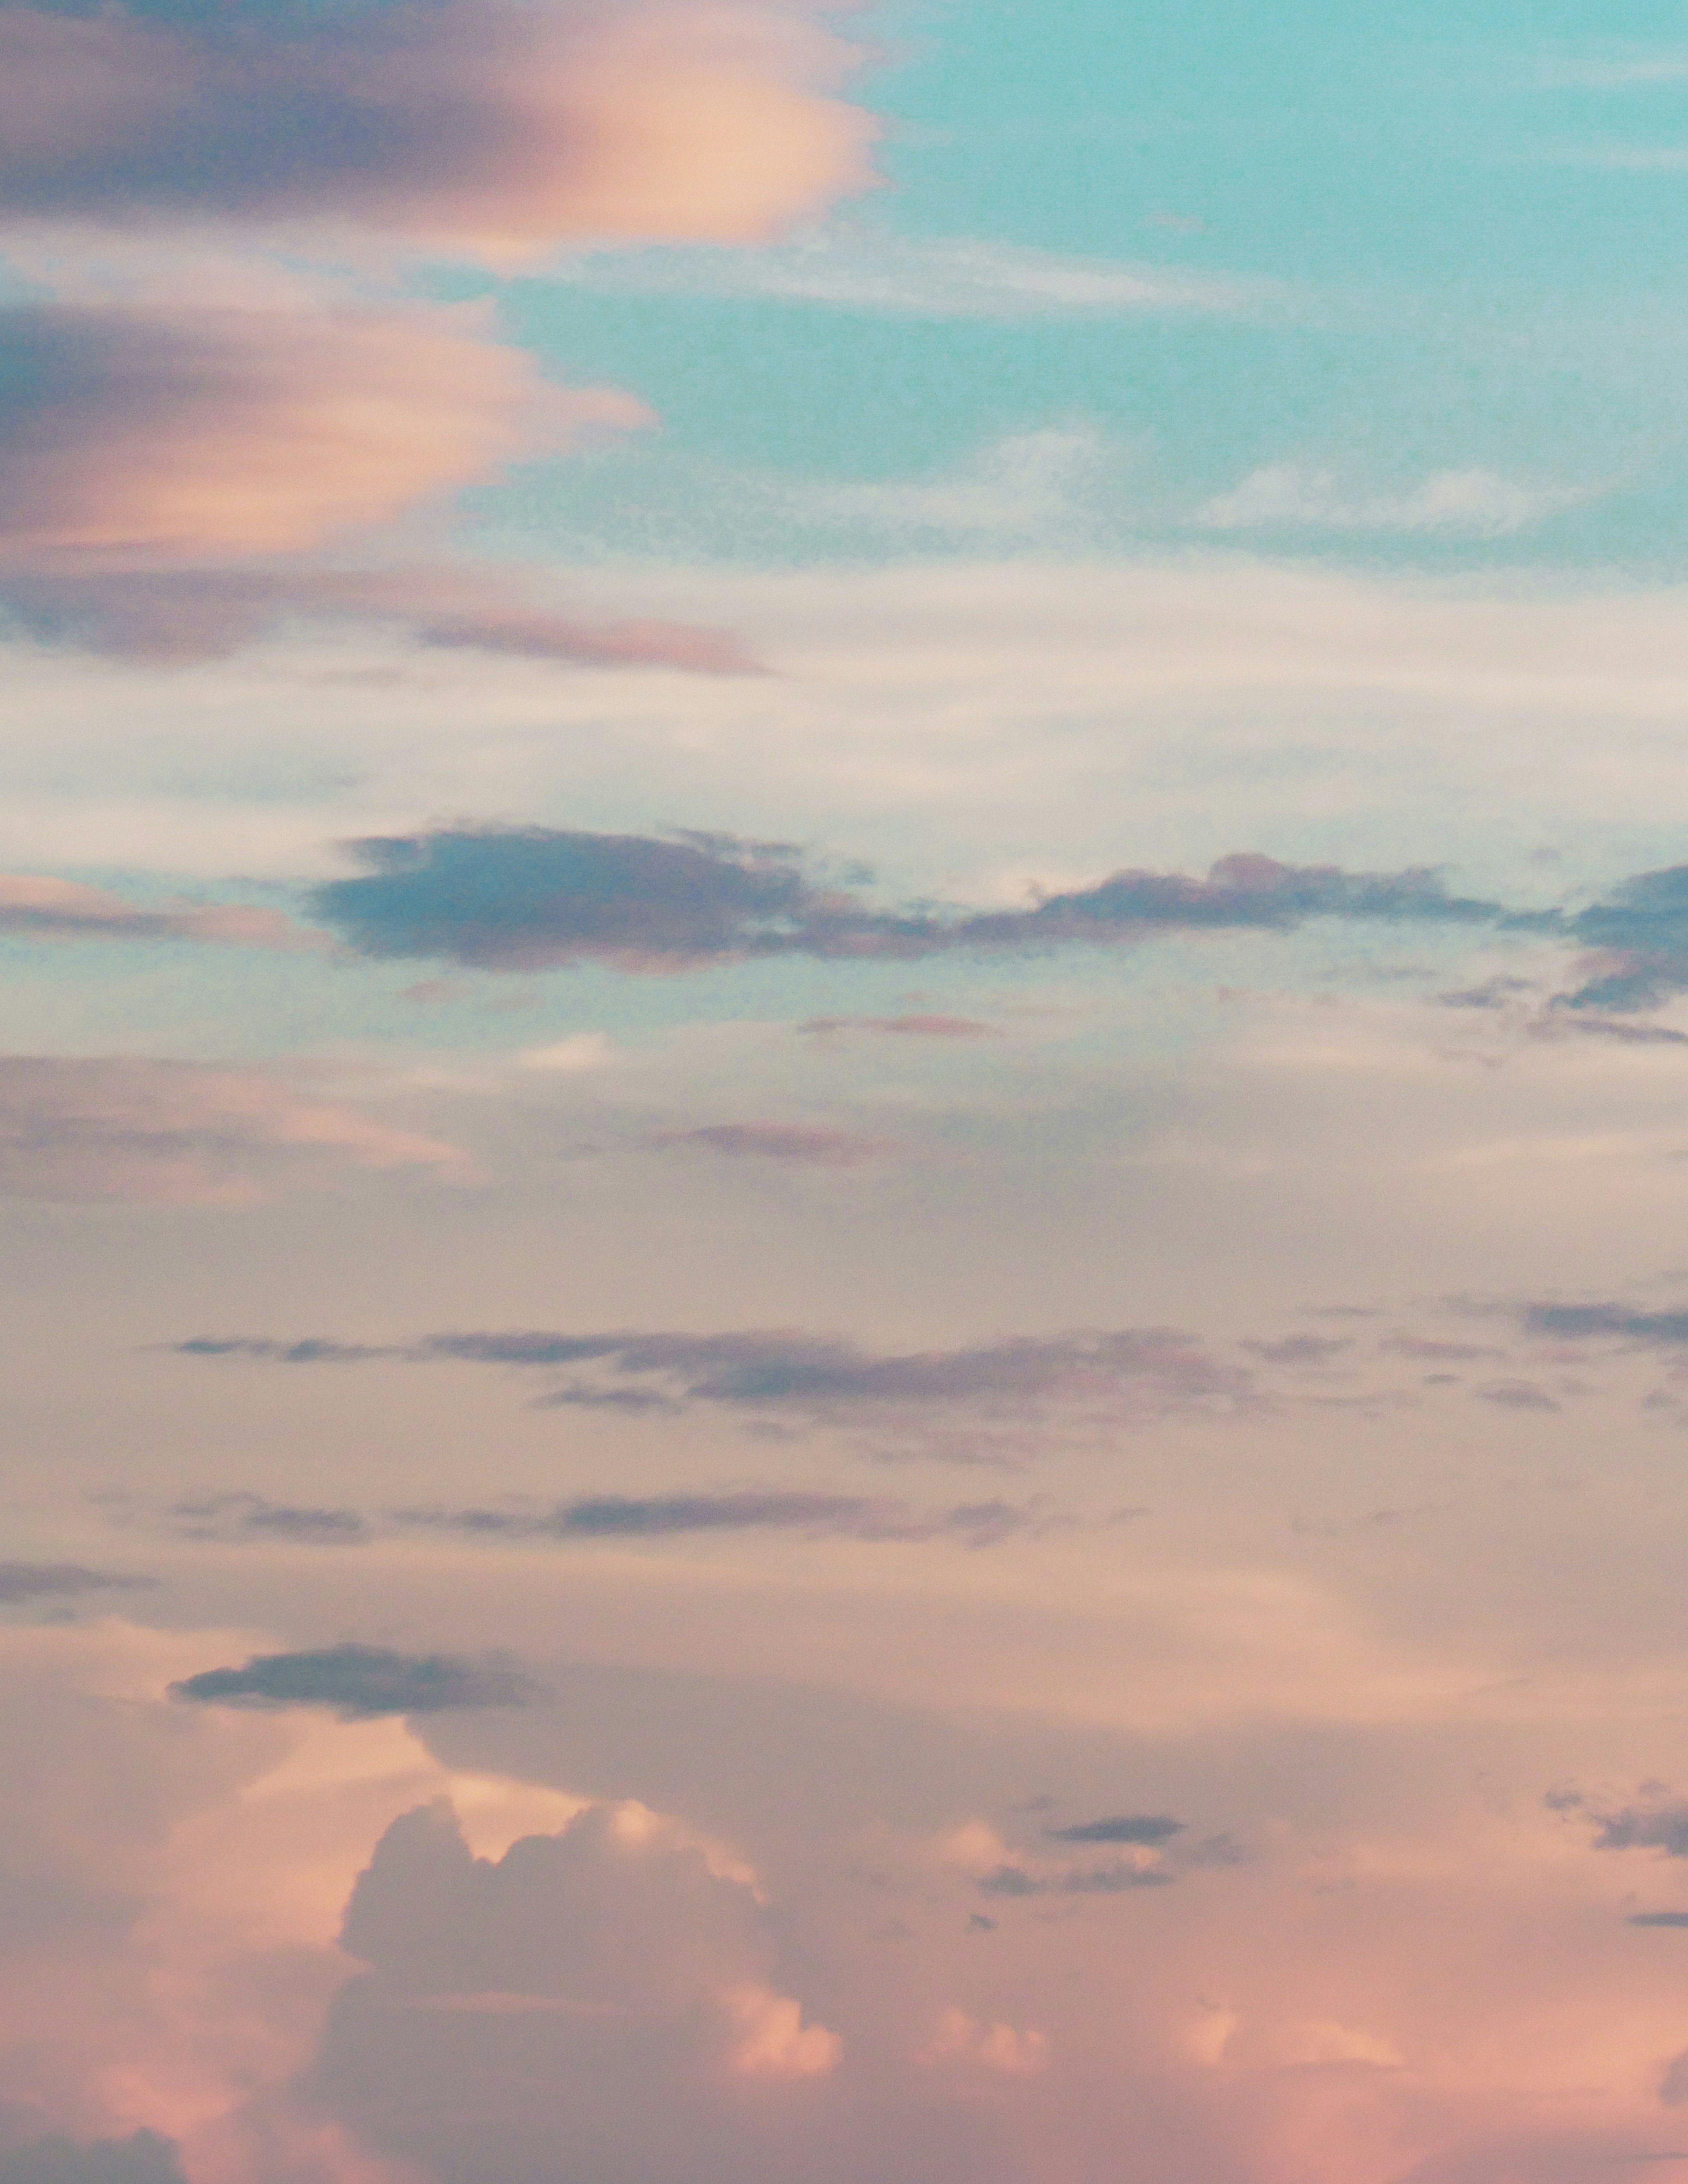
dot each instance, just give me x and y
(496, 125)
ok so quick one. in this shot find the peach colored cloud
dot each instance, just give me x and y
(35, 907)
(140, 436)
(181, 1133)
(496, 125)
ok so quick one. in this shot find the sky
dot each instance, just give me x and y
(844, 950)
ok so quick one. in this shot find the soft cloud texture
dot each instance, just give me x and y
(808, 1145)
(181, 1133)
(22, 1582)
(529, 898)
(35, 907)
(487, 124)
(359, 1683)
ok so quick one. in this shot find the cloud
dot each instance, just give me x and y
(34, 907)
(181, 1133)
(526, 898)
(488, 125)
(932, 276)
(253, 1517)
(1662, 1826)
(815, 1515)
(167, 617)
(810, 1145)
(1476, 504)
(132, 434)
(1640, 934)
(1661, 1330)
(27, 1581)
(1517, 1396)
(1658, 1919)
(1017, 1880)
(910, 1027)
(360, 1683)
(1148, 1828)
(144, 2158)
(1139, 1371)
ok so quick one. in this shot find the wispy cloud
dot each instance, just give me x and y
(361, 1683)
(1476, 504)
(939, 277)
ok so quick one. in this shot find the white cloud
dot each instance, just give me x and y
(1475, 503)
(937, 276)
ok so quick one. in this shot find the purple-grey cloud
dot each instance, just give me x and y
(1653, 1330)
(670, 1516)
(361, 1683)
(21, 1582)
(525, 898)
(808, 1145)
(1147, 1829)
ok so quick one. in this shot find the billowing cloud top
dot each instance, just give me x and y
(497, 124)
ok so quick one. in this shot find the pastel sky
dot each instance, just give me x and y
(844, 938)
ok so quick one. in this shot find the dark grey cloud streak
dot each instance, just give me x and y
(1144, 1370)
(1148, 1829)
(22, 1582)
(533, 898)
(361, 1683)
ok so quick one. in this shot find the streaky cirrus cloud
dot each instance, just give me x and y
(21, 1582)
(1138, 1370)
(488, 125)
(36, 907)
(806, 1144)
(170, 616)
(525, 898)
(135, 435)
(361, 1683)
(182, 1132)
(814, 1515)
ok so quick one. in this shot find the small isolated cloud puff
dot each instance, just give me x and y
(181, 1133)
(492, 125)
(1475, 503)
(360, 1683)
(969, 2042)
(130, 434)
(808, 1145)
(526, 898)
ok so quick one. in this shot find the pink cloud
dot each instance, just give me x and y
(492, 124)
(36, 907)
(182, 1132)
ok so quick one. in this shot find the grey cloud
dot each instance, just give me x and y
(1517, 1395)
(910, 1027)
(26, 1581)
(809, 1144)
(1644, 1827)
(531, 898)
(360, 1683)
(1658, 1919)
(1641, 930)
(144, 2158)
(1014, 1880)
(1660, 1330)
(168, 618)
(1299, 1349)
(1147, 1370)
(1144, 1828)
(816, 1515)
(251, 1517)
(488, 122)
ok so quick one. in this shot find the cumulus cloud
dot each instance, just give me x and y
(360, 1683)
(525, 898)
(490, 124)
(181, 1133)
(133, 433)
(809, 1144)
(1145, 1371)
(28, 1581)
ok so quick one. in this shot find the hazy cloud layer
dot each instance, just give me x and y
(28, 1581)
(524, 898)
(360, 1683)
(167, 617)
(487, 123)
(807, 1144)
(33, 907)
(1145, 1371)
(181, 1133)
(145, 2157)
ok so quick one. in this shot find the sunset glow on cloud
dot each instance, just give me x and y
(844, 921)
